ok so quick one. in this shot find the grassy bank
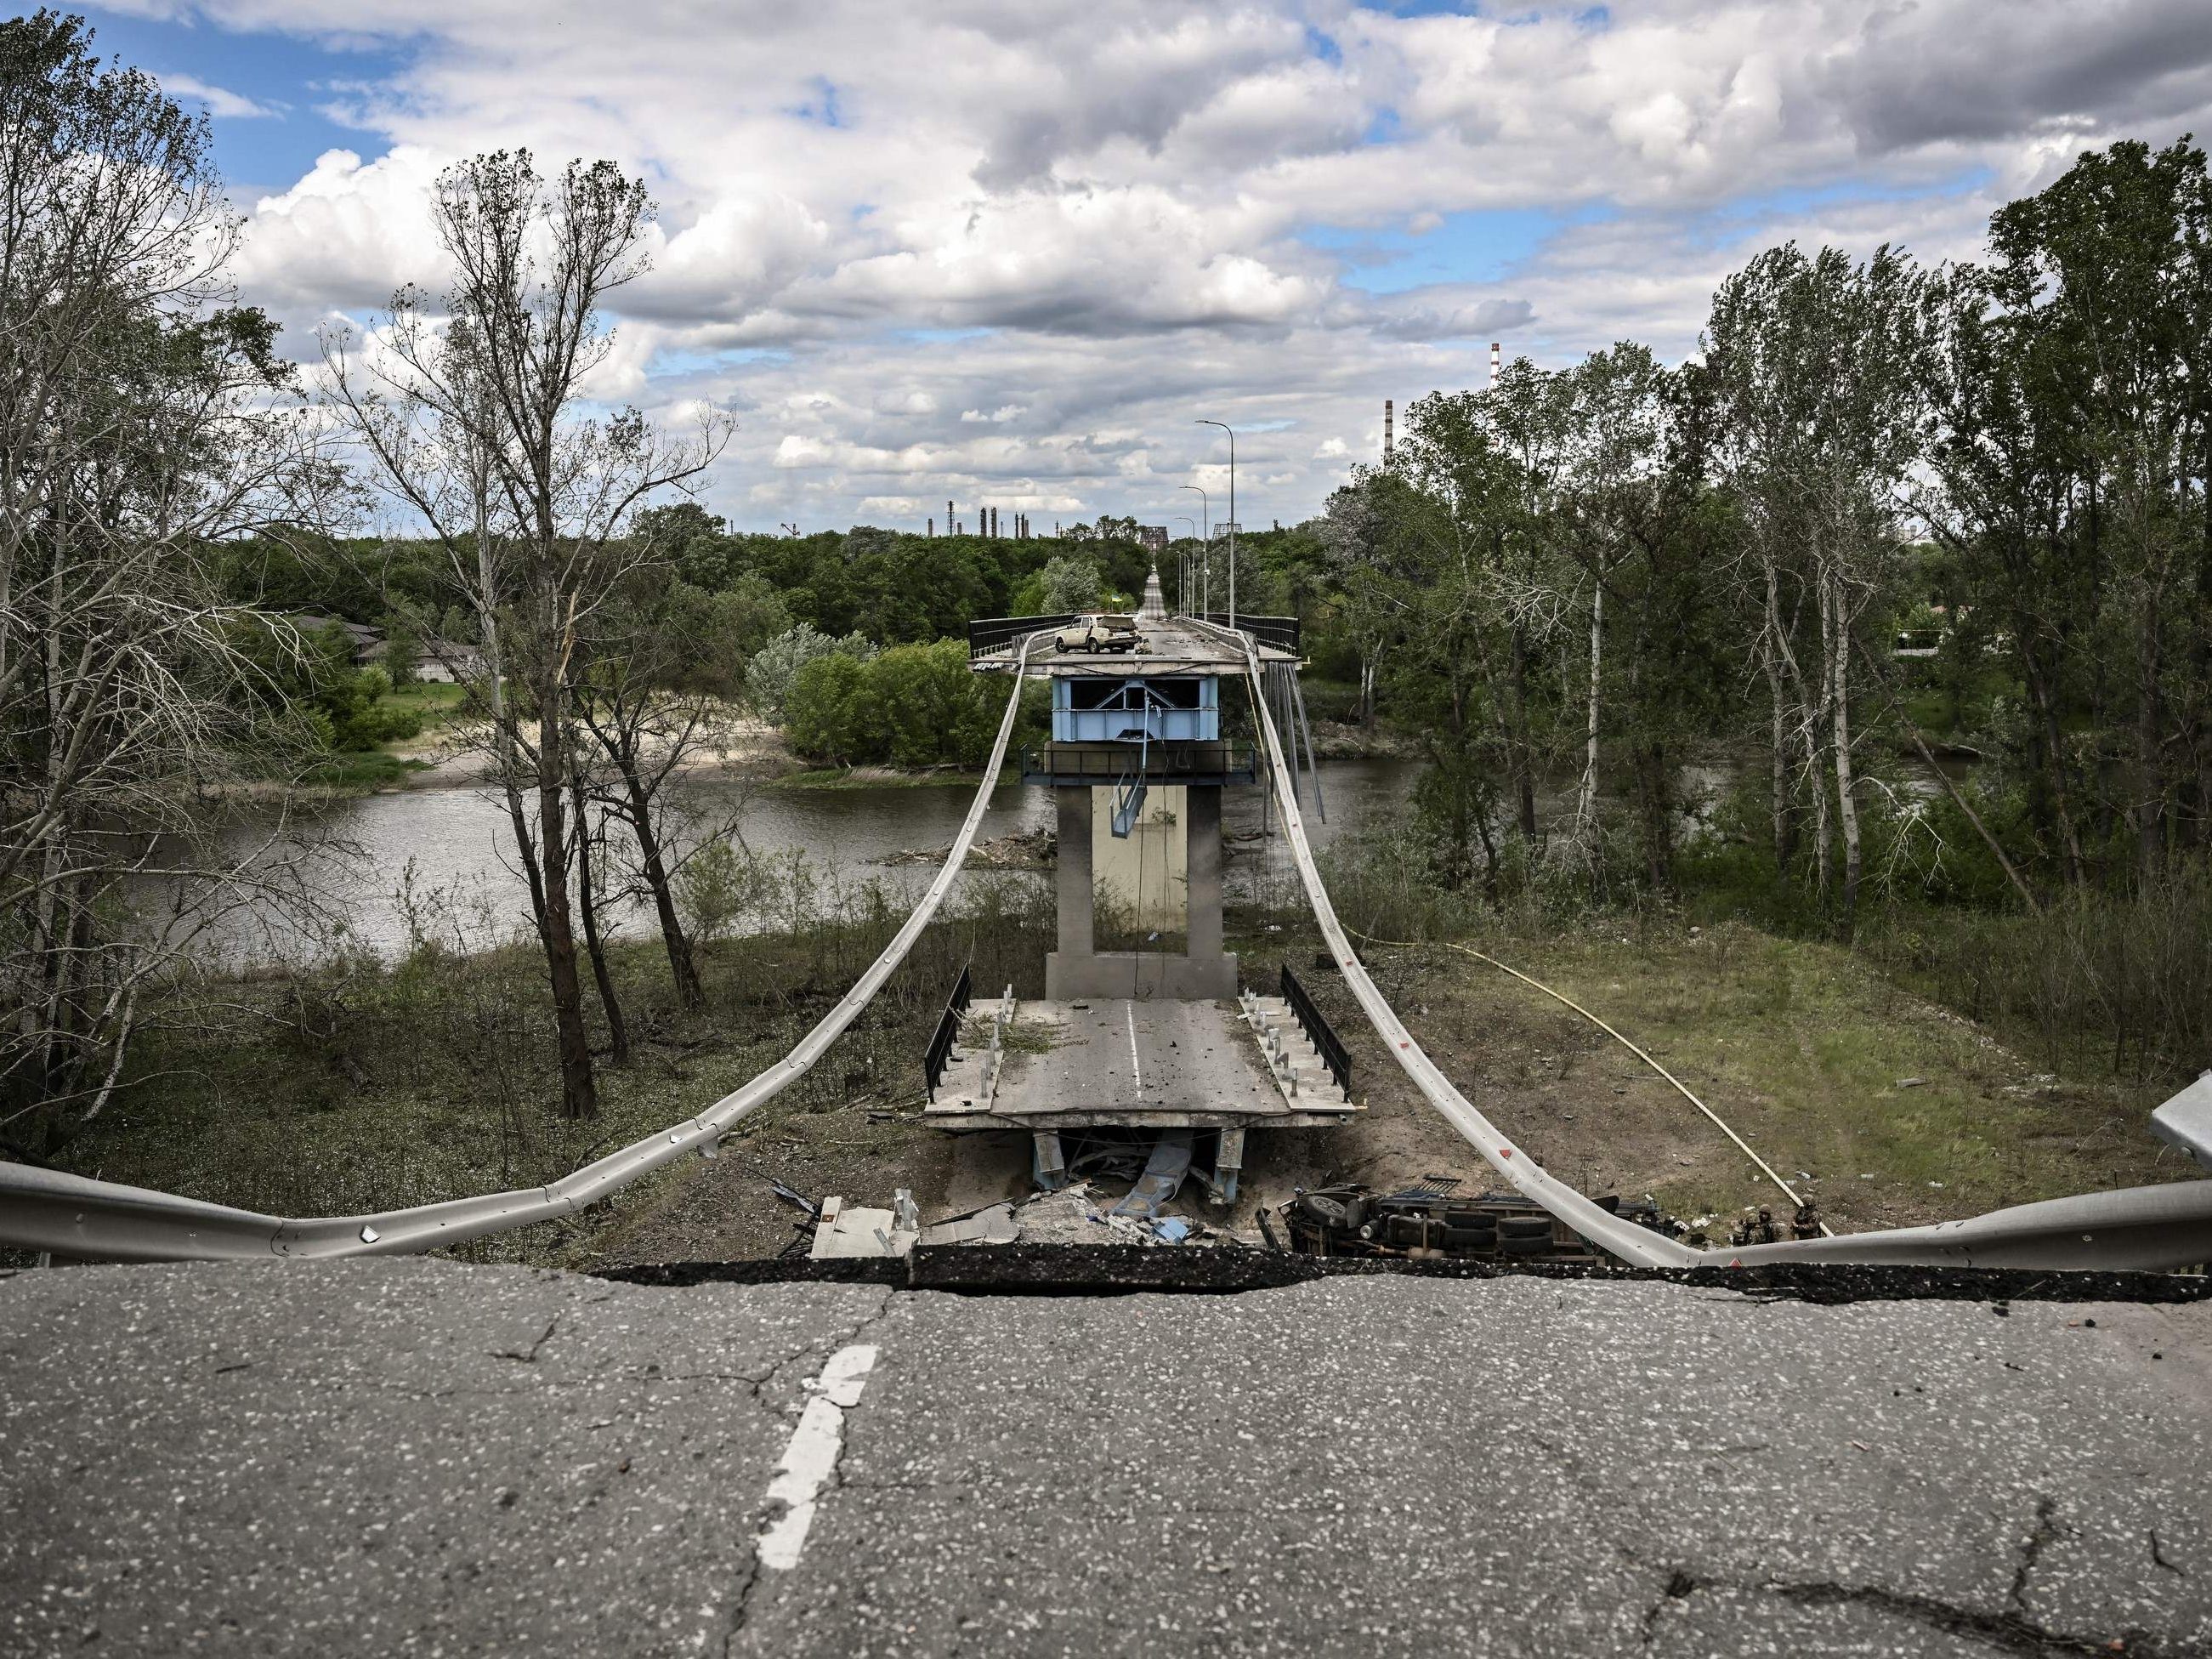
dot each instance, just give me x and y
(368, 1087)
(1882, 1106)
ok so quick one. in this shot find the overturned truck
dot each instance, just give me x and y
(1432, 1220)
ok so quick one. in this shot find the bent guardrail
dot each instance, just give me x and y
(2151, 1229)
(2146, 1228)
(75, 1216)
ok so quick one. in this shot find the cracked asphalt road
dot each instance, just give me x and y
(381, 1457)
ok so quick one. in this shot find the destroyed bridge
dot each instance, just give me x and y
(1988, 1436)
(1164, 1037)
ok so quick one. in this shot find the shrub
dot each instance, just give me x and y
(774, 672)
(912, 706)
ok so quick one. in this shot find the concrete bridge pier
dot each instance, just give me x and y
(1204, 972)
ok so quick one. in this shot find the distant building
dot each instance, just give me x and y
(367, 641)
(448, 662)
(1154, 536)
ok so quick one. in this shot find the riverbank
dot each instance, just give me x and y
(370, 1087)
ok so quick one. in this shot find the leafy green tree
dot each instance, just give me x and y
(403, 647)
(1069, 583)
(912, 706)
(827, 714)
(1816, 364)
(776, 667)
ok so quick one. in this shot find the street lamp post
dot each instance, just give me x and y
(1225, 427)
(1182, 577)
(1206, 586)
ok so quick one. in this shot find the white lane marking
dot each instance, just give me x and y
(1135, 1064)
(813, 1453)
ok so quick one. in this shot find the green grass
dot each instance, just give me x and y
(435, 700)
(1801, 1046)
(374, 769)
(364, 1087)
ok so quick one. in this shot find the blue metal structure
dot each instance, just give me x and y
(1086, 709)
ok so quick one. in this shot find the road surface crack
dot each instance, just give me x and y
(817, 1354)
(741, 1602)
(529, 1356)
(2045, 1530)
(2008, 1633)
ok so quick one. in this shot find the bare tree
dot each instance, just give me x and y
(648, 715)
(142, 417)
(475, 416)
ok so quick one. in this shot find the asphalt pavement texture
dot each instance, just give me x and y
(418, 1457)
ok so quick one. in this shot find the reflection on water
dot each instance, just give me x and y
(459, 840)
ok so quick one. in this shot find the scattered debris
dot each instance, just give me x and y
(1070, 1215)
(1429, 1221)
(795, 1198)
(1912, 1083)
(850, 1231)
(993, 1226)
(1163, 1178)
(1763, 1229)
(1018, 850)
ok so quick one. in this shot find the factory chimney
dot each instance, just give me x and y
(1389, 417)
(1493, 365)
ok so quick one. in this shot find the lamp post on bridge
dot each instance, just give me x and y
(1205, 600)
(1183, 569)
(1225, 427)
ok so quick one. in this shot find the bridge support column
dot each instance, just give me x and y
(1228, 1164)
(1079, 969)
(1202, 864)
(1075, 893)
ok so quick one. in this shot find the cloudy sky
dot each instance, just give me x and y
(1008, 251)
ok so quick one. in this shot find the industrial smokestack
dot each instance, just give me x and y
(951, 524)
(1389, 419)
(1493, 365)
(932, 526)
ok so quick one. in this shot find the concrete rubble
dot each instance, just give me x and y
(1076, 1214)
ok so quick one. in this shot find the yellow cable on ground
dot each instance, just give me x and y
(1681, 1088)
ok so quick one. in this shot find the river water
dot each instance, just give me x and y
(455, 847)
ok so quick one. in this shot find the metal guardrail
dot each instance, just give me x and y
(1329, 1046)
(989, 635)
(1281, 632)
(948, 1032)
(102, 1221)
(2151, 1229)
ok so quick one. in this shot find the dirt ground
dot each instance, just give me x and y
(1882, 1109)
